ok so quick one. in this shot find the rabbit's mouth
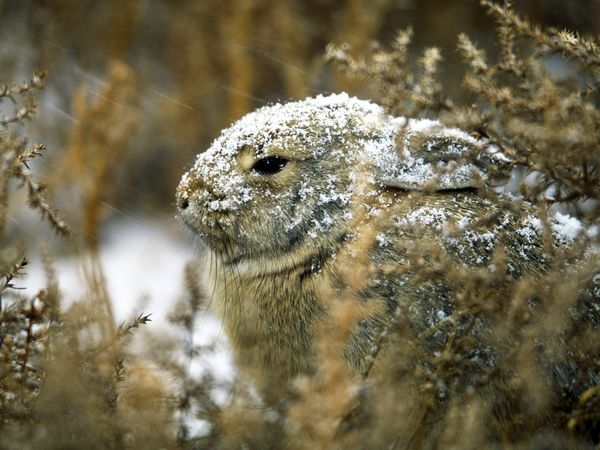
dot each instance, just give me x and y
(219, 242)
(209, 225)
(215, 233)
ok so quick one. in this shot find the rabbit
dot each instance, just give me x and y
(300, 195)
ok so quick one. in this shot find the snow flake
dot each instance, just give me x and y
(566, 228)
(426, 216)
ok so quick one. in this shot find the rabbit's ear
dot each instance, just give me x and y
(435, 158)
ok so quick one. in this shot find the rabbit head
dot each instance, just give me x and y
(283, 177)
(278, 177)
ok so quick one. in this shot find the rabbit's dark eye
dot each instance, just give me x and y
(269, 165)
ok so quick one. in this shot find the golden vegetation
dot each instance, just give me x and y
(67, 378)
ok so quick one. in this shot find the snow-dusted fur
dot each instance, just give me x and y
(353, 188)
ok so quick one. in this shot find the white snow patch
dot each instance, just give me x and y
(382, 240)
(463, 222)
(143, 264)
(426, 216)
(531, 229)
(565, 227)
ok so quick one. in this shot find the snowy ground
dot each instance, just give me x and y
(143, 264)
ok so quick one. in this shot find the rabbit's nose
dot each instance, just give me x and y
(187, 187)
(183, 202)
(194, 189)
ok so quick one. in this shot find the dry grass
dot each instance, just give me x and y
(67, 377)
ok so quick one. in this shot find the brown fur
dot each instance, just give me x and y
(275, 284)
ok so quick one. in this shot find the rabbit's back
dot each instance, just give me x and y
(440, 261)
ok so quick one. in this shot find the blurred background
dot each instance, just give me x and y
(135, 89)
